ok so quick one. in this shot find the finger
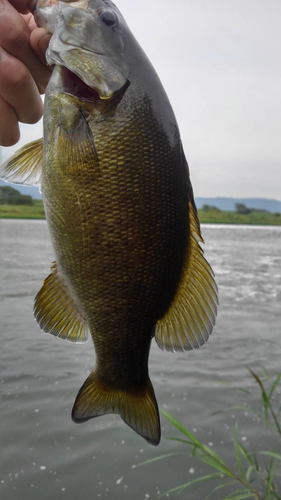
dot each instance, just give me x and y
(24, 6)
(30, 21)
(39, 41)
(14, 38)
(18, 89)
(9, 127)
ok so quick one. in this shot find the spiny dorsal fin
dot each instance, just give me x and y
(25, 166)
(190, 318)
(137, 408)
(56, 312)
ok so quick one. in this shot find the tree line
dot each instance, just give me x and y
(240, 208)
(11, 196)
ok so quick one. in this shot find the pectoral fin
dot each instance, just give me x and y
(190, 318)
(56, 312)
(138, 409)
(25, 166)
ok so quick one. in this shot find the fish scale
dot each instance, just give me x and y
(120, 209)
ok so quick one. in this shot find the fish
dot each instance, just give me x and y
(120, 209)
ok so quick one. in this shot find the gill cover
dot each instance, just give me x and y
(87, 39)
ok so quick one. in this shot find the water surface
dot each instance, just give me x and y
(44, 455)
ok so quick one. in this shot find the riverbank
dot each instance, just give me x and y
(206, 216)
(35, 211)
(227, 217)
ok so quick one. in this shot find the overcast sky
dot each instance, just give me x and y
(220, 63)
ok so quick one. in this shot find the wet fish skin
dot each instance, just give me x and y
(121, 213)
(122, 286)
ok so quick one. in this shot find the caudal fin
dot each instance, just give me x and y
(138, 409)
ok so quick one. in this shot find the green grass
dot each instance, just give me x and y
(205, 216)
(23, 211)
(256, 472)
(224, 217)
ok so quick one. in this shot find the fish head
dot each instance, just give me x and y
(87, 42)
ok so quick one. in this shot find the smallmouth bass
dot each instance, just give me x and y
(120, 209)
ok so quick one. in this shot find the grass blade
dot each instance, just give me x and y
(239, 497)
(276, 496)
(237, 452)
(186, 485)
(264, 394)
(248, 473)
(219, 487)
(255, 461)
(184, 441)
(151, 460)
(216, 465)
(193, 440)
(244, 390)
(239, 494)
(179, 426)
(265, 405)
(274, 385)
(270, 479)
(213, 454)
(245, 453)
(271, 454)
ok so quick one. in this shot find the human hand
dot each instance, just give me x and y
(23, 70)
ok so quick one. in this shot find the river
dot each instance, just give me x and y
(44, 455)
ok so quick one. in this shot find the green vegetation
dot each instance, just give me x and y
(10, 196)
(14, 205)
(256, 472)
(243, 215)
(36, 211)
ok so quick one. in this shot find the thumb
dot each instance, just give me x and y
(39, 41)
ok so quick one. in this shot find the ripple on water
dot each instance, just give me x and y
(47, 456)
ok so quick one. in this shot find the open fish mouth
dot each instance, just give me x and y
(73, 85)
(87, 45)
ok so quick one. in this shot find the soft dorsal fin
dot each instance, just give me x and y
(56, 313)
(191, 316)
(25, 166)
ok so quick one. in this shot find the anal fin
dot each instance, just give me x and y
(137, 408)
(191, 316)
(56, 313)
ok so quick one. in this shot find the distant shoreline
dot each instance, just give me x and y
(235, 218)
(36, 212)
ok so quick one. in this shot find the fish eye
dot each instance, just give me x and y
(108, 17)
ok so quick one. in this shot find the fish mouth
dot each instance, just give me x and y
(73, 85)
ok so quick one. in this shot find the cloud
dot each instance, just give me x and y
(219, 62)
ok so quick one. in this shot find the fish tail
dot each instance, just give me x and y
(137, 408)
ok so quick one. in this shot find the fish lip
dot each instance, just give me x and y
(106, 89)
(95, 99)
(82, 48)
(57, 60)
